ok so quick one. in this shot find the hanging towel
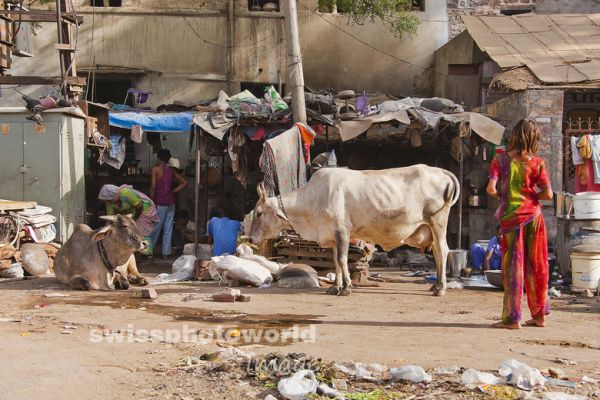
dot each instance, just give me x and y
(136, 134)
(575, 151)
(282, 163)
(583, 145)
(116, 155)
(595, 146)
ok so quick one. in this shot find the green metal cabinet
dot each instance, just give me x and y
(45, 164)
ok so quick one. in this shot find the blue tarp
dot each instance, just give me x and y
(150, 122)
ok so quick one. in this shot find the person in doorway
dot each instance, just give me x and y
(126, 200)
(163, 194)
(524, 244)
(184, 228)
(490, 258)
(222, 231)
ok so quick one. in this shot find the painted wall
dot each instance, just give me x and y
(183, 46)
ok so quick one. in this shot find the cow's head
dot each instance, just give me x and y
(123, 230)
(269, 219)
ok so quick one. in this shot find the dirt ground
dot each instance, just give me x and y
(67, 347)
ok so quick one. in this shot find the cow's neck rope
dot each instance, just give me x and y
(104, 256)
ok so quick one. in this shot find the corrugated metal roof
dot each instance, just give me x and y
(557, 49)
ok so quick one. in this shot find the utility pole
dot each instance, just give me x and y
(296, 74)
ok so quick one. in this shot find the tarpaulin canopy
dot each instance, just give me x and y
(152, 122)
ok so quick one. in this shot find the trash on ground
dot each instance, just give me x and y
(244, 251)
(181, 270)
(562, 396)
(225, 268)
(412, 373)
(446, 371)
(15, 271)
(327, 391)
(473, 378)
(521, 375)
(298, 276)
(564, 361)
(500, 392)
(55, 294)
(299, 386)
(454, 285)
(561, 383)
(554, 293)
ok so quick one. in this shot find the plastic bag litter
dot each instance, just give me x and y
(244, 251)
(299, 385)
(521, 375)
(454, 285)
(232, 267)
(554, 293)
(14, 271)
(325, 390)
(412, 373)
(274, 99)
(562, 396)
(182, 270)
(446, 371)
(473, 378)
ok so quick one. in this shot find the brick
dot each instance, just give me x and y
(244, 298)
(223, 298)
(149, 293)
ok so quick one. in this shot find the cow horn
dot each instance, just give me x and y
(111, 218)
(262, 192)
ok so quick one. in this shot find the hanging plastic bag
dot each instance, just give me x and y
(271, 95)
(299, 385)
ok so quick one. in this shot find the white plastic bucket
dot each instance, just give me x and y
(587, 205)
(585, 270)
(457, 261)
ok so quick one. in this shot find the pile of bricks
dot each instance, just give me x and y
(229, 295)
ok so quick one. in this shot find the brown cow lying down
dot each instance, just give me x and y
(102, 259)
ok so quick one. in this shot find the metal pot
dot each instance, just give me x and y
(475, 199)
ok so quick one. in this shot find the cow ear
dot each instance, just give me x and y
(280, 214)
(102, 233)
(110, 218)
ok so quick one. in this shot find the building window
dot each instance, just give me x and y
(263, 5)
(331, 7)
(106, 3)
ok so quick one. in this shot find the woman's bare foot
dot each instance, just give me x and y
(502, 325)
(540, 322)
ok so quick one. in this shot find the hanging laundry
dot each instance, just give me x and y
(136, 134)
(237, 154)
(575, 151)
(308, 136)
(583, 178)
(255, 133)
(595, 146)
(282, 163)
(116, 155)
(585, 151)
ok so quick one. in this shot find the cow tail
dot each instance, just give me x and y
(452, 192)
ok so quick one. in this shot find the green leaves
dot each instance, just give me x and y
(396, 14)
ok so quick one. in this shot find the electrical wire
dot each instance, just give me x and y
(199, 36)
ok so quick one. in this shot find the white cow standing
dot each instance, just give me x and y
(391, 207)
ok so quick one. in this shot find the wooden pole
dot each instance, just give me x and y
(197, 191)
(295, 71)
(230, 48)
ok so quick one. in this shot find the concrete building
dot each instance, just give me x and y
(180, 50)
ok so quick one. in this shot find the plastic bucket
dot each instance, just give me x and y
(585, 270)
(587, 205)
(457, 261)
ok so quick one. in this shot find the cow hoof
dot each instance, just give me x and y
(345, 292)
(140, 281)
(334, 290)
(439, 292)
